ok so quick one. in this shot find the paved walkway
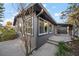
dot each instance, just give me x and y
(12, 48)
(46, 50)
(50, 49)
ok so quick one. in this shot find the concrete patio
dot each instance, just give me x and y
(61, 37)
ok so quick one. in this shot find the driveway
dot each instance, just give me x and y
(12, 48)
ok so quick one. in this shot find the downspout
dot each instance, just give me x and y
(40, 12)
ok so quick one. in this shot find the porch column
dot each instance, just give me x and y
(55, 30)
(68, 30)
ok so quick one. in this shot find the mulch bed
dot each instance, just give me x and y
(75, 47)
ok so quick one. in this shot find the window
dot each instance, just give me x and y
(29, 28)
(43, 26)
(16, 27)
(20, 24)
(50, 27)
(20, 27)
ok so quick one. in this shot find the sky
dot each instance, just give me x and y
(54, 10)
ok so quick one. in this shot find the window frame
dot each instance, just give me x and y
(43, 28)
(51, 28)
(29, 17)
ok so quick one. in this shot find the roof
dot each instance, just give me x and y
(47, 13)
(65, 25)
(39, 4)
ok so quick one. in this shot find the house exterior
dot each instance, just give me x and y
(40, 25)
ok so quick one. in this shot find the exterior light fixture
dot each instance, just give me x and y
(20, 24)
(45, 24)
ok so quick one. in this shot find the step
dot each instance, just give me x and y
(52, 42)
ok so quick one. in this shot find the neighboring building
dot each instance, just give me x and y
(40, 24)
(64, 29)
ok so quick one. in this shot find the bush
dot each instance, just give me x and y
(63, 49)
(7, 34)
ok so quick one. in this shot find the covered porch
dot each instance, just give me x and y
(64, 28)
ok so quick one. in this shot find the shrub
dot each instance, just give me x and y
(63, 49)
(7, 34)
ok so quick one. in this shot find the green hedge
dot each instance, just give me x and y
(7, 34)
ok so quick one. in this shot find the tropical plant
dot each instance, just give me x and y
(72, 15)
(63, 49)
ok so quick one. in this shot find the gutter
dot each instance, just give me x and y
(40, 12)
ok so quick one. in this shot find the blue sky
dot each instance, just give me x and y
(54, 9)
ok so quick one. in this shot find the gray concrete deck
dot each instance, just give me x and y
(61, 37)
